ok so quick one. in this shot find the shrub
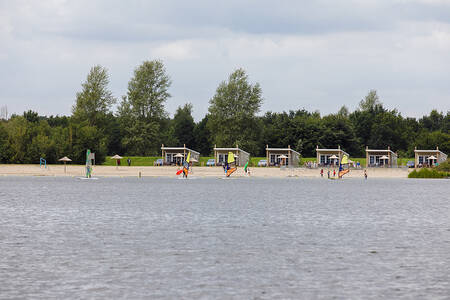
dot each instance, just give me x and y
(428, 173)
(444, 166)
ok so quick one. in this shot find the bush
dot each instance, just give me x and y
(428, 173)
(444, 166)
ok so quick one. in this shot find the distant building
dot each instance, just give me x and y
(329, 157)
(177, 155)
(425, 158)
(276, 156)
(221, 155)
(381, 158)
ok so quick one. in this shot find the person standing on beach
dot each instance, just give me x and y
(334, 173)
(328, 174)
(321, 172)
(365, 174)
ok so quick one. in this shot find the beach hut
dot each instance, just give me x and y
(177, 155)
(221, 155)
(274, 156)
(381, 158)
(329, 157)
(64, 159)
(117, 158)
(425, 158)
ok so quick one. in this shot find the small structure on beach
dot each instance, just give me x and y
(221, 155)
(117, 158)
(65, 159)
(177, 155)
(428, 158)
(330, 157)
(282, 156)
(381, 158)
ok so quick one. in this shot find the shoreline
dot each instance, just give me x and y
(169, 171)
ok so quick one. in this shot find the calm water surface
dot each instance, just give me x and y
(212, 238)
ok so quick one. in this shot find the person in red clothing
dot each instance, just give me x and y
(334, 173)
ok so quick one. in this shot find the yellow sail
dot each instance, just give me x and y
(230, 157)
(344, 160)
(188, 157)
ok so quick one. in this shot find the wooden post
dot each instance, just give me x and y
(289, 155)
(389, 156)
(367, 157)
(317, 155)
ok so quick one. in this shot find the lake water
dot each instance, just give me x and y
(241, 238)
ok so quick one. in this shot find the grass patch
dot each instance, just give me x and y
(135, 161)
(428, 173)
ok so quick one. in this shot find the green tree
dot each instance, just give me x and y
(142, 112)
(203, 137)
(184, 125)
(232, 113)
(370, 102)
(427, 140)
(5, 148)
(433, 122)
(94, 102)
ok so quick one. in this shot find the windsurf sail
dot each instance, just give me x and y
(344, 160)
(188, 159)
(230, 158)
(343, 171)
(186, 165)
(230, 161)
(88, 164)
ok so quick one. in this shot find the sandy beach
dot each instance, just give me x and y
(125, 171)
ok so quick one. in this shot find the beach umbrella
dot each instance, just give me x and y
(65, 159)
(117, 157)
(432, 157)
(384, 157)
(283, 157)
(178, 155)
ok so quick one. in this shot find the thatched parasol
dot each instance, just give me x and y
(65, 159)
(117, 158)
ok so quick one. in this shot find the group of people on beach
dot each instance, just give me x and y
(334, 173)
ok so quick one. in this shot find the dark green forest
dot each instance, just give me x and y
(138, 123)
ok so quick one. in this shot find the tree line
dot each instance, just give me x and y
(140, 124)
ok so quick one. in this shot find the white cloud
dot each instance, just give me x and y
(317, 56)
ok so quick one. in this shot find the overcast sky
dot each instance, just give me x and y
(317, 55)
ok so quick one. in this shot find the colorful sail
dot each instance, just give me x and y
(188, 159)
(344, 160)
(230, 157)
(231, 171)
(88, 164)
(342, 171)
(230, 161)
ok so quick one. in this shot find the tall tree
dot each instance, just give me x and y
(232, 112)
(184, 125)
(370, 102)
(94, 102)
(142, 111)
(203, 137)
